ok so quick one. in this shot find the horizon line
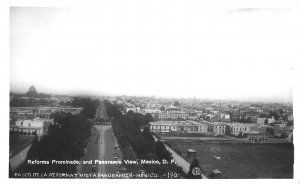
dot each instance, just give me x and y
(92, 94)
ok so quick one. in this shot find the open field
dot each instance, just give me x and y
(241, 160)
(232, 139)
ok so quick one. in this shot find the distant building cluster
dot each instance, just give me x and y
(35, 120)
(189, 126)
(255, 132)
(31, 120)
(41, 112)
(259, 120)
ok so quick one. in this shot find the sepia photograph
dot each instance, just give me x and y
(151, 90)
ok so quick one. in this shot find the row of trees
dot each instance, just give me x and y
(111, 110)
(89, 106)
(65, 140)
(127, 129)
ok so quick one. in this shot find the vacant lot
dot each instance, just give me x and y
(241, 160)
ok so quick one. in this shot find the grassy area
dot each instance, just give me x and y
(242, 160)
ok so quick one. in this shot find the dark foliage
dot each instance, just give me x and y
(65, 141)
(89, 106)
(274, 115)
(149, 118)
(127, 130)
(111, 110)
(270, 131)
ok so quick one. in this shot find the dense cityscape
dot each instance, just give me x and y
(64, 136)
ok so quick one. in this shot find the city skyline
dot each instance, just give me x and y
(214, 54)
(199, 99)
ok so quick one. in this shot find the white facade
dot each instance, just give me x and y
(29, 126)
(162, 126)
(271, 120)
(173, 115)
(29, 123)
(261, 121)
(135, 110)
(202, 127)
(216, 127)
(178, 127)
(236, 128)
(225, 116)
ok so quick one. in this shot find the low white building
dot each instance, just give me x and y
(261, 121)
(37, 125)
(133, 109)
(202, 126)
(235, 128)
(163, 126)
(216, 127)
(225, 116)
(178, 127)
(151, 111)
(270, 120)
(173, 115)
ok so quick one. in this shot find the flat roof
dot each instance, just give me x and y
(162, 123)
(174, 123)
(216, 123)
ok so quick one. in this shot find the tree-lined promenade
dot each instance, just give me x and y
(68, 137)
(140, 145)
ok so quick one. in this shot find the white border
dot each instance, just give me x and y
(4, 50)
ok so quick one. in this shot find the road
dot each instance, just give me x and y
(100, 147)
(180, 161)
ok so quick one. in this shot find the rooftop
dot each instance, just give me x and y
(191, 150)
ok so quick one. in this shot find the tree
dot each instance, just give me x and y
(162, 152)
(112, 110)
(274, 115)
(162, 108)
(263, 116)
(33, 152)
(146, 133)
(195, 170)
(149, 118)
(227, 130)
(127, 131)
(89, 106)
(270, 131)
(64, 141)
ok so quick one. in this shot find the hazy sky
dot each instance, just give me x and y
(171, 50)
